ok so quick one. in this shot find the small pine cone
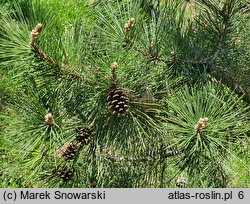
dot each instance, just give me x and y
(117, 101)
(69, 150)
(65, 173)
(84, 135)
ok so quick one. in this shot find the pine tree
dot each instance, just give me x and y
(147, 93)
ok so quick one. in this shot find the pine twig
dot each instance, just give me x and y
(66, 75)
(115, 158)
(153, 57)
(44, 56)
(34, 47)
(223, 75)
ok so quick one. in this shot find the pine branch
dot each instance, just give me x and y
(225, 77)
(39, 52)
(152, 57)
(170, 61)
(163, 155)
(220, 74)
(115, 158)
(229, 81)
(34, 47)
(44, 56)
(67, 74)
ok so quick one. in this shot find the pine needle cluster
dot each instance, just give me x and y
(147, 93)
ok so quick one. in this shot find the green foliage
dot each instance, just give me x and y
(205, 147)
(176, 61)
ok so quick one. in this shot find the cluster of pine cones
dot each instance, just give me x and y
(70, 149)
(117, 102)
